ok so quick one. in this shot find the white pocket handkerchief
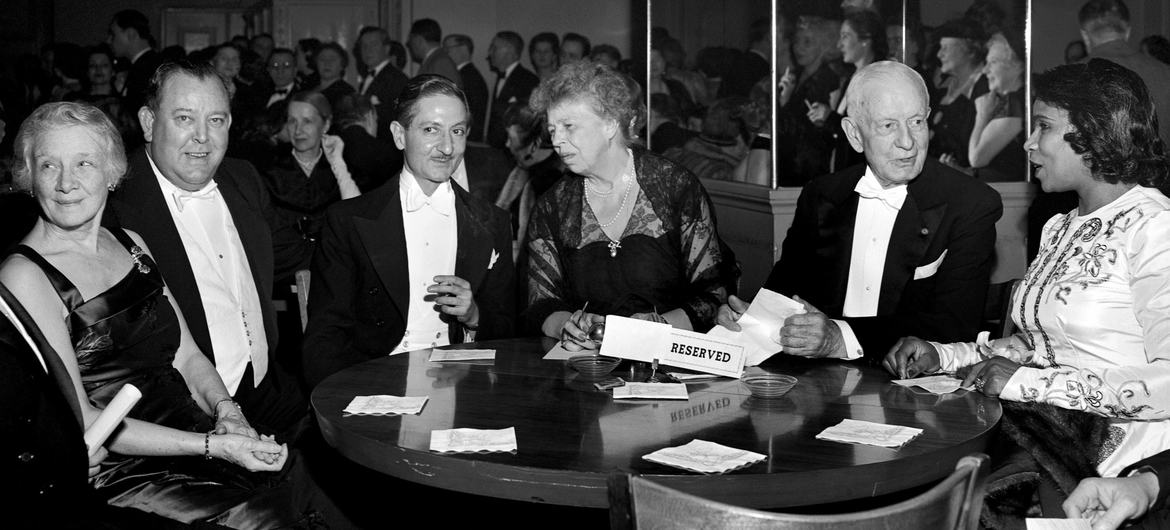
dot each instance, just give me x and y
(492, 261)
(929, 269)
(375, 101)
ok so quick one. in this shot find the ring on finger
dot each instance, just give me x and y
(980, 383)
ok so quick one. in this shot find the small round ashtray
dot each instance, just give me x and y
(768, 386)
(593, 365)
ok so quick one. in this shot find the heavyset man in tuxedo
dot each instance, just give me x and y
(203, 216)
(418, 262)
(899, 246)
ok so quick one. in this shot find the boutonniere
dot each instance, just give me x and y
(492, 261)
(374, 100)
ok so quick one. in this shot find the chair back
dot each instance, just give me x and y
(302, 279)
(954, 503)
(997, 313)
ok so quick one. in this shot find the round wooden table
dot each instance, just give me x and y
(571, 436)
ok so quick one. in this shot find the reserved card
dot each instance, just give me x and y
(462, 355)
(651, 391)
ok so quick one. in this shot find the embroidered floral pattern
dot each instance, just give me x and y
(1085, 390)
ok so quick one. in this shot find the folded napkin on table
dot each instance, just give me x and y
(704, 457)
(385, 405)
(869, 433)
(474, 440)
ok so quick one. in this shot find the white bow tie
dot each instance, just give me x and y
(443, 205)
(869, 188)
(182, 196)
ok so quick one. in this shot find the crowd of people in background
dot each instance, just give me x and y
(217, 176)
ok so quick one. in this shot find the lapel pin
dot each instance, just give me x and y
(925, 231)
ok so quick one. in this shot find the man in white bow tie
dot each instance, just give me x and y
(203, 217)
(898, 246)
(418, 262)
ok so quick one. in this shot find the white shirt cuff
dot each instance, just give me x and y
(853, 349)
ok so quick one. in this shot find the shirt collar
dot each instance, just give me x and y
(179, 196)
(139, 54)
(869, 188)
(373, 72)
(413, 198)
(508, 70)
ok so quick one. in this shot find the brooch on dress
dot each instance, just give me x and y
(136, 255)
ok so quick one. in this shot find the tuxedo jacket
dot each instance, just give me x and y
(138, 78)
(517, 87)
(439, 63)
(383, 90)
(476, 90)
(359, 287)
(923, 292)
(139, 205)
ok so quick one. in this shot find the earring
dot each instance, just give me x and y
(110, 187)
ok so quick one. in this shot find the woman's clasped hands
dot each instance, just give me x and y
(253, 454)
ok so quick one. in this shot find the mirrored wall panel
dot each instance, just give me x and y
(753, 91)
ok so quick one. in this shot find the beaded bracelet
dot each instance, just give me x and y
(207, 445)
(215, 409)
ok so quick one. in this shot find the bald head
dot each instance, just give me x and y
(887, 108)
(882, 77)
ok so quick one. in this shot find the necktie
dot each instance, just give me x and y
(182, 197)
(869, 188)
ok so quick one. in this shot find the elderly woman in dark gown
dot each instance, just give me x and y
(628, 232)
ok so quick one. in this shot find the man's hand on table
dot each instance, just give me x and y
(812, 334)
(911, 357)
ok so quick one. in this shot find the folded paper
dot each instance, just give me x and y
(380, 405)
(651, 391)
(869, 433)
(760, 325)
(935, 384)
(474, 440)
(462, 355)
(705, 457)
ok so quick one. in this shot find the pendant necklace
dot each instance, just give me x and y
(613, 244)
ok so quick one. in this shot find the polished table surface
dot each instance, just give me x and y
(571, 436)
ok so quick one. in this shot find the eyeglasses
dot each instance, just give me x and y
(285, 64)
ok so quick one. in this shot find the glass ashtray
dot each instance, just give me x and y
(593, 365)
(768, 386)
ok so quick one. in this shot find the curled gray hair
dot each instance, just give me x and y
(610, 94)
(61, 115)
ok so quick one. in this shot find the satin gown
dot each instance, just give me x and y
(130, 334)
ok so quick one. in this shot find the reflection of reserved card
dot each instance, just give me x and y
(651, 391)
(462, 355)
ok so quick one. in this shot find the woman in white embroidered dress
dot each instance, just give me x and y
(1093, 309)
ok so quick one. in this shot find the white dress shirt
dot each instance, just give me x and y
(279, 94)
(231, 302)
(877, 209)
(431, 242)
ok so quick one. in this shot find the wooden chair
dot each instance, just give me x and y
(954, 503)
(302, 279)
(997, 311)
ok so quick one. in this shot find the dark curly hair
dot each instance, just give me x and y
(1114, 125)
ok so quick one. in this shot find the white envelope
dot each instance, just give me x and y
(760, 326)
(929, 269)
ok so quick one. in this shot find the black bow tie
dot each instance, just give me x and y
(282, 91)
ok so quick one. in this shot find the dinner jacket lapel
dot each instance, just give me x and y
(838, 215)
(474, 248)
(384, 240)
(914, 229)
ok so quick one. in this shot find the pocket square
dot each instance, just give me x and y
(929, 269)
(492, 261)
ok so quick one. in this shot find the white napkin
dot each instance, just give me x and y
(474, 440)
(385, 405)
(462, 355)
(935, 384)
(704, 457)
(651, 391)
(558, 353)
(1057, 524)
(869, 433)
(760, 325)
